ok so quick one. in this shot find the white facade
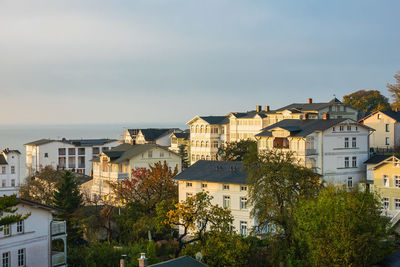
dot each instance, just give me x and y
(64, 154)
(29, 243)
(337, 152)
(9, 172)
(235, 195)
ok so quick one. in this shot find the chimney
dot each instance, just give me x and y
(266, 108)
(326, 116)
(142, 260)
(258, 108)
(310, 101)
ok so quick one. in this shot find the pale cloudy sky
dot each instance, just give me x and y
(165, 61)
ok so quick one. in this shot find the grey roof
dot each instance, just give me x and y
(39, 142)
(393, 114)
(184, 261)
(184, 135)
(393, 260)
(216, 119)
(3, 160)
(377, 158)
(7, 151)
(301, 128)
(309, 106)
(215, 171)
(125, 152)
(152, 134)
(250, 114)
(75, 142)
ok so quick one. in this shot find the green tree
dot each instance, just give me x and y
(394, 89)
(40, 188)
(342, 228)
(277, 184)
(184, 156)
(235, 151)
(8, 211)
(367, 100)
(194, 216)
(68, 199)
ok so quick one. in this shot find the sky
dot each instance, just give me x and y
(131, 61)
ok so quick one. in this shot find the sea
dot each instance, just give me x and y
(15, 136)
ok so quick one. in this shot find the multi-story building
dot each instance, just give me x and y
(117, 164)
(245, 125)
(226, 183)
(334, 148)
(387, 129)
(9, 172)
(30, 242)
(384, 172)
(180, 139)
(75, 154)
(158, 136)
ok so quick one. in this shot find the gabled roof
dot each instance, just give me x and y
(125, 152)
(302, 128)
(390, 113)
(3, 160)
(7, 151)
(184, 135)
(152, 134)
(184, 261)
(377, 159)
(249, 114)
(211, 119)
(215, 171)
(38, 205)
(39, 142)
(310, 106)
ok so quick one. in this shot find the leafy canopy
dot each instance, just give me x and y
(341, 228)
(235, 151)
(367, 100)
(8, 209)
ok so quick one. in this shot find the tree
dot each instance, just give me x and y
(394, 89)
(40, 188)
(235, 151)
(277, 184)
(342, 228)
(8, 209)
(68, 199)
(184, 156)
(367, 100)
(194, 216)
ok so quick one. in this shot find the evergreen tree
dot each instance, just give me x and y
(184, 155)
(394, 89)
(7, 205)
(68, 199)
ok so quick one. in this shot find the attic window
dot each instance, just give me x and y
(379, 116)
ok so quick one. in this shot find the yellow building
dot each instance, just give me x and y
(180, 139)
(384, 171)
(387, 129)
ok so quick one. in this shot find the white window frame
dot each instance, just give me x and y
(346, 142)
(347, 162)
(7, 230)
(21, 257)
(12, 169)
(385, 203)
(203, 185)
(349, 182)
(387, 129)
(226, 201)
(385, 181)
(6, 259)
(387, 141)
(189, 184)
(396, 179)
(20, 227)
(225, 187)
(354, 142)
(243, 228)
(243, 203)
(3, 170)
(354, 162)
(397, 203)
(243, 188)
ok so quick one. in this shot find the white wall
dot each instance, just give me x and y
(13, 159)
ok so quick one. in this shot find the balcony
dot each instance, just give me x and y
(311, 151)
(58, 258)
(58, 228)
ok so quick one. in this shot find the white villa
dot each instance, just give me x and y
(74, 154)
(9, 172)
(226, 183)
(29, 243)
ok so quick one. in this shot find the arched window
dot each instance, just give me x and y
(201, 129)
(207, 130)
(202, 144)
(202, 157)
(197, 128)
(197, 143)
(208, 157)
(197, 157)
(193, 157)
(207, 144)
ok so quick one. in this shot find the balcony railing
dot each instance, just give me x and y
(58, 227)
(311, 151)
(58, 258)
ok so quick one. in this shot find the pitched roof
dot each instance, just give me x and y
(152, 134)
(3, 160)
(215, 171)
(7, 151)
(310, 106)
(215, 119)
(37, 204)
(184, 135)
(302, 128)
(377, 159)
(250, 114)
(125, 152)
(184, 261)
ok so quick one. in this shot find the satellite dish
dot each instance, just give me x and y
(199, 256)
